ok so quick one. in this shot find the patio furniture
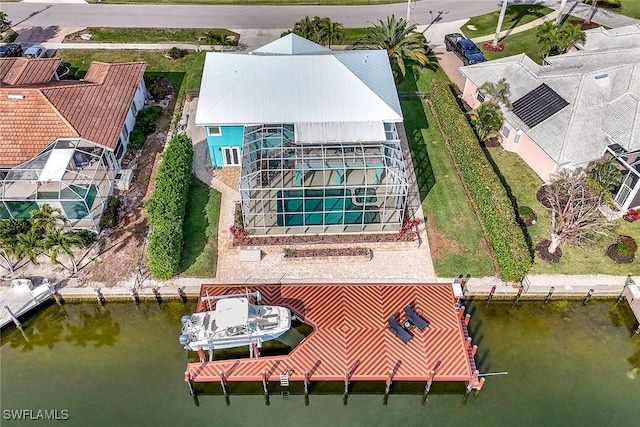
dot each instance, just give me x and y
(415, 318)
(399, 331)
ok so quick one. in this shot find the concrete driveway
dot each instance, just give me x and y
(450, 63)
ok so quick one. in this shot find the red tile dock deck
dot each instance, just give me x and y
(351, 335)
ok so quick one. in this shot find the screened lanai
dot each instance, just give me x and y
(73, 175)
(290, 188)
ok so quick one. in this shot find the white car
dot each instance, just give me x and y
(35, 51)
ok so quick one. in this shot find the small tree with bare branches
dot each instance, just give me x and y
(575, 217)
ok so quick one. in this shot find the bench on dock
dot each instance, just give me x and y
(415, 318)
(399, 331)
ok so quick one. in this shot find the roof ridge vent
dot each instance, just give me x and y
(601, 76)
(15, 96)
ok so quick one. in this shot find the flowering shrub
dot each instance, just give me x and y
(239, 233)
(632, 215)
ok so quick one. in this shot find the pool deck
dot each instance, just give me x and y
(351, 338)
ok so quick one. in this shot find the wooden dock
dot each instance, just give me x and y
(20, 298)
(350, 339)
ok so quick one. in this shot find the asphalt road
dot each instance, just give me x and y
(234, 17)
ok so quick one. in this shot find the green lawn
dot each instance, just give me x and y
(524, 42)
(455, 237)
(184, 73)
(146, 35)
(352, 35)
(524, 184)
(629, 8)
(200, 252)
(516, 15)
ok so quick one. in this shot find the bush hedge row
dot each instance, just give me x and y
(166, 207)
(506, 237)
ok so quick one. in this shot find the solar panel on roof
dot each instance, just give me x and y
(538, 105)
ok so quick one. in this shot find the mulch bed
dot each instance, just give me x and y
(541, 196)
(542, 249)
(583, 24)
(499, 47)
(302, 253)
(613, 254)
(324, 239)
(528, 222)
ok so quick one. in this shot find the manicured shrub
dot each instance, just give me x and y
(177, 53)
(145, 126)
(110, 216)
(166, 207)
(497, 216)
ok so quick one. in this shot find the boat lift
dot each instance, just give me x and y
(208, 298)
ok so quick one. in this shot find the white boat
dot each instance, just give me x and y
(234, 322)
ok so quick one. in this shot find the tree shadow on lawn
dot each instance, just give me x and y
(195, 226)
(415, 122)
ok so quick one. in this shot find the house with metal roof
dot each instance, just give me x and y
(567, 112)
(315, 133)
(62, 141)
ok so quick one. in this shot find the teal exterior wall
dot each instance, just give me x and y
(232, 136)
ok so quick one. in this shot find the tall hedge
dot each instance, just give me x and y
(497, 215)
(166, 207)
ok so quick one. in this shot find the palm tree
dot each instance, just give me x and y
(56, 242)
(548, 38)
(47, 218)
(570, 34)
(305, 28)
(486, 120)
(29, 245)
(9, 230)
(503, 10)
(330, 32)
(498, 92)
(215, 38)
(5, 24)
(401, 43)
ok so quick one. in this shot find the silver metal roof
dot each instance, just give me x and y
(299, 87)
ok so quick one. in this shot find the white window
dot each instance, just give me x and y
(125, 133)
(516, 139)
(480, 96)
(231, 156)
(506, 130)
(214, 131)
(134, 109)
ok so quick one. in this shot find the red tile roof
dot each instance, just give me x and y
(350, 333)
(98, 107)
(24, 71)
(94, 109)
(29, 124)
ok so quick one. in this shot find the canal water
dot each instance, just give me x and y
(121, 365)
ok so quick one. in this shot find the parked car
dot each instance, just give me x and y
(35, 51)
(464, 48)
(10, 50)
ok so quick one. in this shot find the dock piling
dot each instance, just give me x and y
(156, 294)
(467, 343)
(519, 294)
(134, 296)
(493, 291)
(182, 295)
(13, 317)
(98, 293)
(548, 297)
(461, 312)
(202, 355)
(427, 387)
(187, 379)
(265, 383)
(222, 382)
(467, 319)
(474, 350)
(588, 297)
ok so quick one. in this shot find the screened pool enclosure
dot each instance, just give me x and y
(290, 188)
(73, 175)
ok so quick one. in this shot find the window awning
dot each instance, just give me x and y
(56, 165)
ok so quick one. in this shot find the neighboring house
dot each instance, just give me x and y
(566, 113)
(315, 133)
(61, 142)
(615, 38)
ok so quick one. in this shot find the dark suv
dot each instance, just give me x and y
(464, 48)
(10, 50)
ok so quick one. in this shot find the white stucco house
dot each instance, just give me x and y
(571, 111)
(62, 142)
